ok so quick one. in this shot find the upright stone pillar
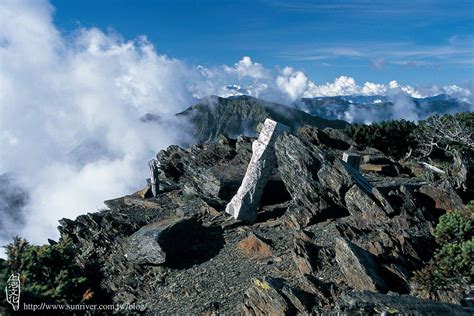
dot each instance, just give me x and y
(244, 204)
(154, 180)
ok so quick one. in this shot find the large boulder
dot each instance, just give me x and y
(177, 242)
(144, 246)
(443, 195)
(298, 165)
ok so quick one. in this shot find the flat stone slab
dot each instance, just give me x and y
(368, 303)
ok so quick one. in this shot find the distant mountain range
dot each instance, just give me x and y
(240, 115)
(367, 109)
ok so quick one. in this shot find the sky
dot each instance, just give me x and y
(415, 42)
(77, 76)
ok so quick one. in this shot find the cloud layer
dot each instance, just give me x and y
(70, 106)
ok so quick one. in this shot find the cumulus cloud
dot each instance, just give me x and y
(70, 131)
(343, 85)
(370, 88)
(293, 83)
(58, 95)
(247, 68)
(287, 84)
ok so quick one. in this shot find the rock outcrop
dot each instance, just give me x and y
(168, 241)
(322, 232)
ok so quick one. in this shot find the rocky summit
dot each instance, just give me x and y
(328, 236)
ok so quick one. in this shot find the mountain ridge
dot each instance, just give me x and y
(240, 115)
(363, 109)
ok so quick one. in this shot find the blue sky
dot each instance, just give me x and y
(414, 42)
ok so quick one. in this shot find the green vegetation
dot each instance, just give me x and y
(393, 137)
(455, 235)
(438, 137)
(453, 226)
(48, 273)
(452, 262)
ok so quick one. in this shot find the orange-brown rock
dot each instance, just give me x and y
(254, 247)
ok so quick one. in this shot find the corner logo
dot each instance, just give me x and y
(12, 291)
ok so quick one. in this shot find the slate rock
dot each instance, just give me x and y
(264, 298)
(365, 210)
(304, 256)
(358, 266)
(444, 196)
(367, 302)
(298, 165)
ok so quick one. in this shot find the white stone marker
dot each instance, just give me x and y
(154, 179)
(244, 204)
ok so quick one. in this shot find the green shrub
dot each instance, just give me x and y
(452, 261)
(381, 136)
(449, 133)
(48, 273)
(454, 227)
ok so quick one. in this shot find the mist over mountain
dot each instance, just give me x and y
(13, 199)
(377, 108)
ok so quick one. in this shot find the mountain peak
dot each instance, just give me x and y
(240, 115)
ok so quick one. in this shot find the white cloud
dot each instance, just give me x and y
(403, 106)
(371, 88)
(58, 94)
(294, 83)
(343, 85)
(247, 68)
